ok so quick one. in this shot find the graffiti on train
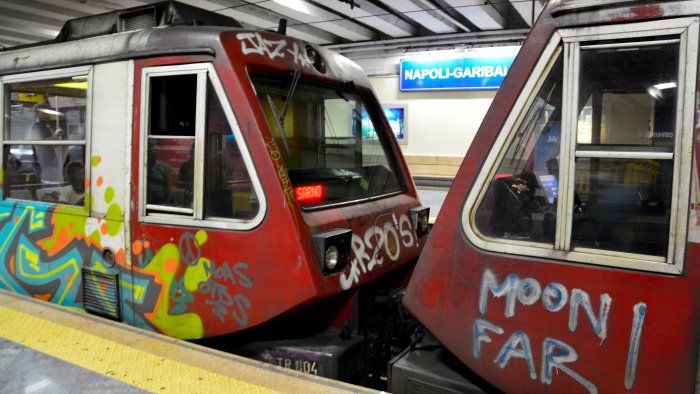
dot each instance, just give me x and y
(193, 284)
(255, 43)
(379, 242)
(44, 248)
(557, 355)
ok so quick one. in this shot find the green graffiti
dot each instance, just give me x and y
(114, 219)
(95, 237)
(109, 194)
(196, 274)
(185, 325)
(67, 226)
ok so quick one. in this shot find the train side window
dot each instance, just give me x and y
(43, 137)
(193, 164)
(624, 145)
(594, 165)
(171, 141)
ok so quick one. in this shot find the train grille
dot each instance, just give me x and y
(138, 20)
(101, 293)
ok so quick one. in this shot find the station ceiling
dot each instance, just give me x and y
(341, 24)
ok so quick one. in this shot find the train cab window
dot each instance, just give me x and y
(43, 137)
(521, 200)
(228, 189)
(594, 163)
(319, 133)
(193, 164)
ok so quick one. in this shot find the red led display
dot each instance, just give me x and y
(309, 193)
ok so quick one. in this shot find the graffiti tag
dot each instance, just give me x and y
(390, 238)
(254, 43)
(556, 354)
(220, 299)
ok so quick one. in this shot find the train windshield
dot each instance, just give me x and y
(332, 148)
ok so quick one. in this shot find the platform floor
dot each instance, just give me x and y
(432, 197)
(46, 348)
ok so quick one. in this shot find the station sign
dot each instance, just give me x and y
(466, 73)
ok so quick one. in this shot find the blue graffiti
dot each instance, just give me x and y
(600, 326)
(64, 270)
(518, 346)
(480, 327)
(555, 355)
(640, 311)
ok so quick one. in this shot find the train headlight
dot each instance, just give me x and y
(332, 249)
(420, 216)
(332, 257)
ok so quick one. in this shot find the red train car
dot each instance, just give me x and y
(566, 255)
(167, 168)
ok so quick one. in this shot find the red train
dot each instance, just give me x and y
(565, 257)
(166, 168)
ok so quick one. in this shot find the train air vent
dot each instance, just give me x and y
(164, 13)
(138, 20)
(101, 293)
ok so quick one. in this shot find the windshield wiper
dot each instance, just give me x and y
(279, 119)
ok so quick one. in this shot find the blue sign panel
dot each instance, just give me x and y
(470, 73)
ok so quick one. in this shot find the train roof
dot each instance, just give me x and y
(163, 28)
(166, 13)
(158, 29)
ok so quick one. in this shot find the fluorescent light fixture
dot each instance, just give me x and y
(50, 112)
(667, 85)
(296, 5)
(72, 85)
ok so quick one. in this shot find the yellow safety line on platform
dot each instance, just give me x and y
(132, 366)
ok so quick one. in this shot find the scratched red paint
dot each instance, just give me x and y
(446, 291)
(647, 11)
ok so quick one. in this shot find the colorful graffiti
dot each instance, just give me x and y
(168, 288)
(220, 287)
(556, 354)
(45, 246)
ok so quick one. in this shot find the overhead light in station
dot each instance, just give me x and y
(296, 5)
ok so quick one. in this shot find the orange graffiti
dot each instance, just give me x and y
(137, 247)
(99, 181)
(46, 297)
(104, 228)
(12, 265)
(120, 256)
(62, 237)
(62, 241)
(170, 265)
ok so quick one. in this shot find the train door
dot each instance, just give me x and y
(193, 186)
(573, 267)
(62, 211)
